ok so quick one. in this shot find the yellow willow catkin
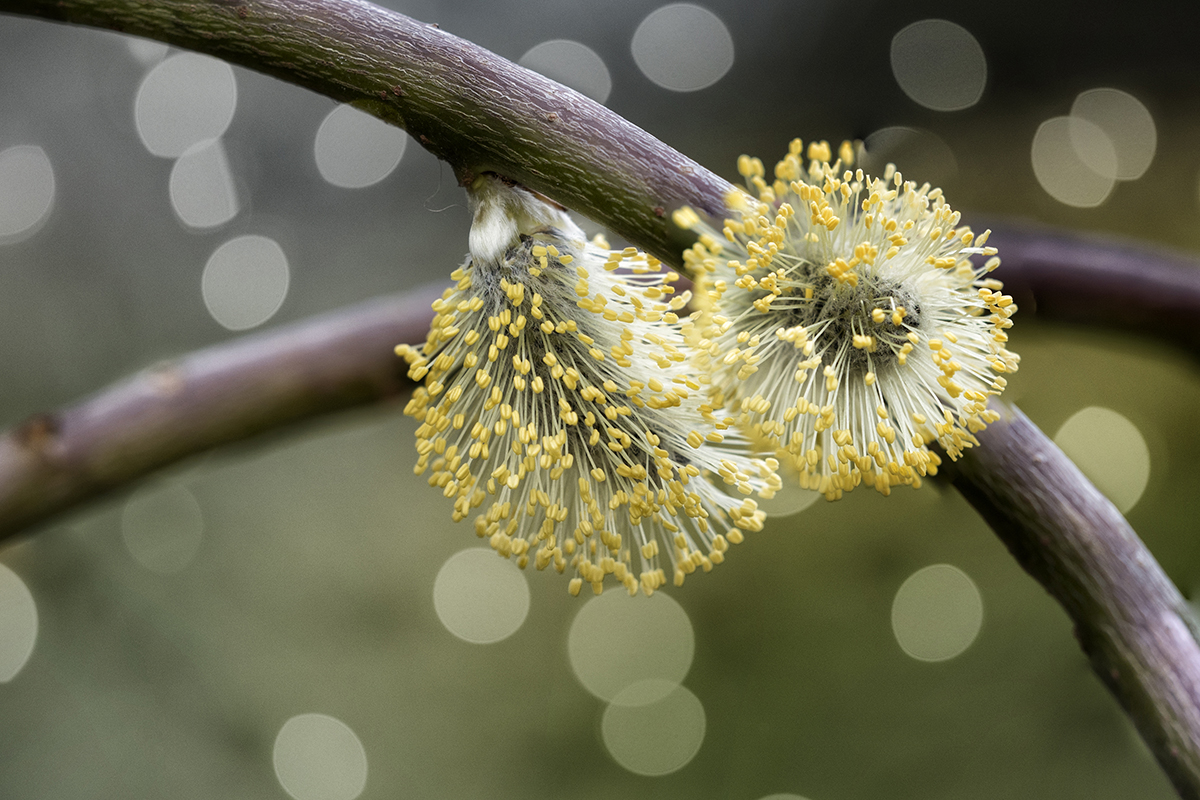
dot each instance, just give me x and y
(559, 406)
(844, 324)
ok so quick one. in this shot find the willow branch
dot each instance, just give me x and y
(1090, 280)
(476, 110)
(228, 393)
(482, 113)
(1129, 618)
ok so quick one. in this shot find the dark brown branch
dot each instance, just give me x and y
(1095, 281)
(1129, 618)
(476, 110)
(481, 113)
(227, 393)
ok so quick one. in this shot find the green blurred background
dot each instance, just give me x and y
(188, 630)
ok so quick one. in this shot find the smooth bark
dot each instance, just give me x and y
(482, 113)
(54, 461)
(1133, 624)
(465, 104)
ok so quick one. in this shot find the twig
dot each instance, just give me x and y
(227, 393)
(481, 113)
(1129, 618)
(1094, 281)
(465, 104)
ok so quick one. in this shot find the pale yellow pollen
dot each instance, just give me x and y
(539, 409)
(892, 259)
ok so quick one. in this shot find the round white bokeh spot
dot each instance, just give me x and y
(571, 64)
(1064, 153)
(617, 640)
(1110, 451)
(937, 613)
(683, 47)
(789, 500)
(1127, 124)
(185, 99)
(318, 757)
(18, 624)
(354, 150)
(653, 727)
(245, 282)
(939, 65)
(481, 597)
(162, 526)
(783, 796)
(145, 51)
(201, 186)
(26, 191)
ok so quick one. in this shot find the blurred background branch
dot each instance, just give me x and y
(227, 393)
(480, 112)
(1086, 279)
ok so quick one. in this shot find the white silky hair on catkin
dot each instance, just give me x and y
(559, 398)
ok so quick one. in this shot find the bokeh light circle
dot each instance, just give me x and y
(1063, 148)
(1127, 124)
(146, 51)
(201, 186)
(783, 796)
(354, 150)
(245, 282)
(18, 624)
(162, 526)
(481, 597)
(26, 191)
(318, 757)
(1110, 451)
(683, 47)
(183, 100)
(571, 64)
(937, 613)
(653, 727)
(616, 640)
(939, 65)
(790, 499)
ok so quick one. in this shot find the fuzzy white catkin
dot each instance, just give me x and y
(558, 400)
